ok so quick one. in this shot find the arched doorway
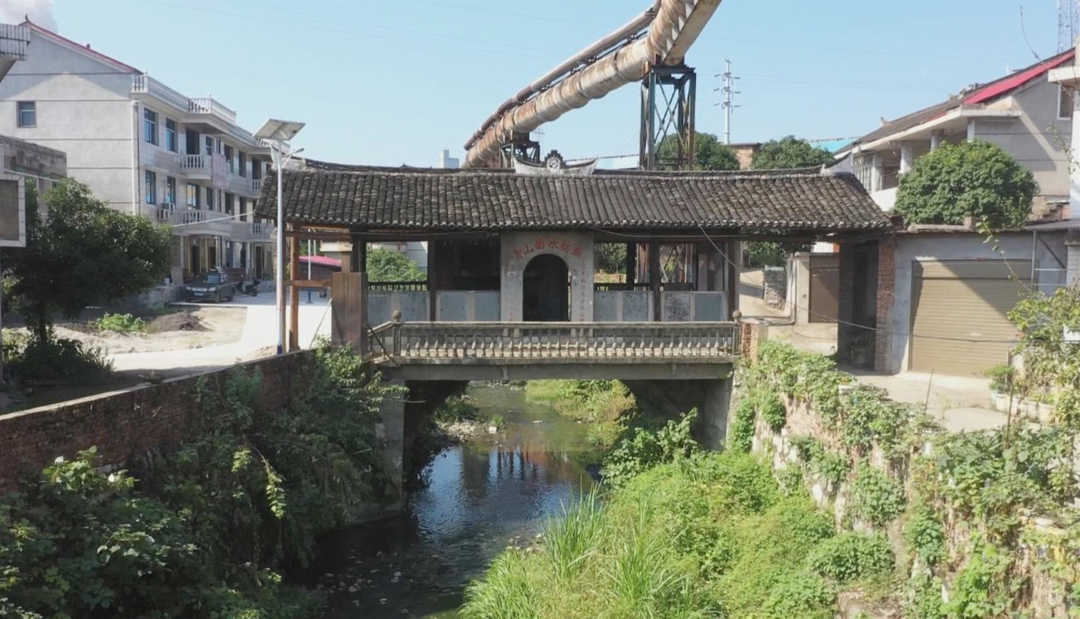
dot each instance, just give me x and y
(546, 290)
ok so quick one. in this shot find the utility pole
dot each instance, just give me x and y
(729, 93)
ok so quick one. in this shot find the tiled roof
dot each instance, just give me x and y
(430, 199)
(973, 95)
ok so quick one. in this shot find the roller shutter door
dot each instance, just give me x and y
(964, 299)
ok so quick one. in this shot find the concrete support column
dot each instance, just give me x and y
(714, 413)
(907, 157)
(391, 431)
(935, 139)
(877, 173)
(971, 130)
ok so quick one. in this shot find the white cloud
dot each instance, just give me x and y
(39, 11)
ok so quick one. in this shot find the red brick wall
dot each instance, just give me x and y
(130, 422)
(886, 294)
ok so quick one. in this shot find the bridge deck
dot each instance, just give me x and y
(513, 343)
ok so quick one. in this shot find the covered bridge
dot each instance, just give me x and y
(523, 247)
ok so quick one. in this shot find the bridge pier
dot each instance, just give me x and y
(391, 431)
(673, 398)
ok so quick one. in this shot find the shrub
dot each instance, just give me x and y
(771, 409)
(79, 543)
(832, 466)
(644, 449)
(802, 595)
(457, 408)
(742, 428)
(56, 359)
(875, 496)
(925, 535)
(851, 556)
(120, 323)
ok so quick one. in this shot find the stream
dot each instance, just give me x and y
(482, 496)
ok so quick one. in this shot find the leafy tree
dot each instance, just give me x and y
(790, 152)
(710, 153)
(611, 257)
(974, 178)
(385, 265)
(84, 253)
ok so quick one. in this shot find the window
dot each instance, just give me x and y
(209, 198)
(151, 187)
(228, 158)
(170, 190)
(150, 126)
(229, 203)
(193, 195)
(170, 135)
(27, 114)
(242, 211)
(209, 145)
(241, 159)
(1065, 103)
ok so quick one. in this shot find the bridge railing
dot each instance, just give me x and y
(561, 341)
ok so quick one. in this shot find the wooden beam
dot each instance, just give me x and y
(294, 295)
(310, 283)
(318, 235)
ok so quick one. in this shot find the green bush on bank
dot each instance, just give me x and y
(202, 531)
(120, 323)
(31, 359)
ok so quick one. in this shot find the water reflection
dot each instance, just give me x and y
(480, 498)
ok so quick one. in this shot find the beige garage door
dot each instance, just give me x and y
(824, 288)
(967, 300)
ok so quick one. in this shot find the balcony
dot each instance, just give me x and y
(196, 167)
(144, 86)
(207, 107)
(13, 43)
(248, 232)
(187, 221)
(244, 186)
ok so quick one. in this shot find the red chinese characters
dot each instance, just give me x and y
(552, 244)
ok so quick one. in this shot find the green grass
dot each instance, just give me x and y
(707, 536)
(607, 406)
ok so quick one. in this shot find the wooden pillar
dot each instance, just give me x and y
(294, 294)
(631, 263)
(654, 277)
(354, 254)
(349, 310)
(433, 295)
(363, 257)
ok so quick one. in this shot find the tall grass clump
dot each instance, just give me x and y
(506, 592)
(576, 536)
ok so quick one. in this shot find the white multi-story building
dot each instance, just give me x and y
(146, 149)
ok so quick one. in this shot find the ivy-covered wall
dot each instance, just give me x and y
(981, 523)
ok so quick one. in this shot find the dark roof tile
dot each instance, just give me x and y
(428, 199)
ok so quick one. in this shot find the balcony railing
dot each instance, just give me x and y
(14, 39)
(144, 84)
(249, 232)
(256, 185)
(211, 107)
(194, 163)
(562, 342)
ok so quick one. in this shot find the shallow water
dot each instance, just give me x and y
(490, 493)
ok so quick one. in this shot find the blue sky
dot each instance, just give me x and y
(394, 81)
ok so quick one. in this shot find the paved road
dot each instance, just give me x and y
(259, 333)
(960, 403)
